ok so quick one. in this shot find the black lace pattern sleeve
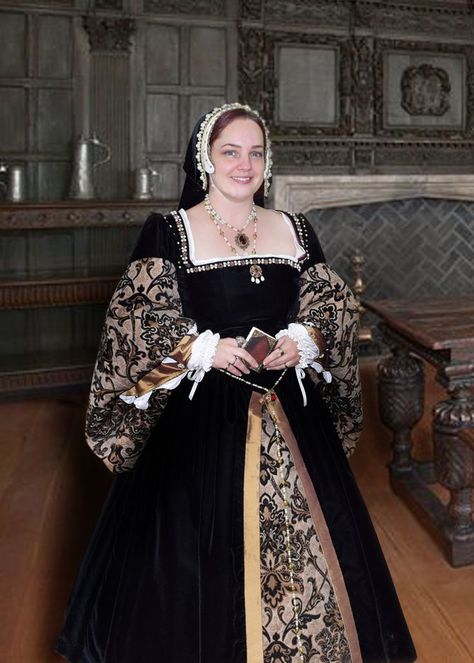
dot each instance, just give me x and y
(328, 305)
(144, 324)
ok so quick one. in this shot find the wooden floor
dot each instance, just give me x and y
(51, 489)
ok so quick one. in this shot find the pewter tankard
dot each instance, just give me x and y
(145, 179)
(82, 184)
(14, 182)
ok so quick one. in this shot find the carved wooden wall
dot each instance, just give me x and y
(362, 84)
(346, 86)
(136, 72)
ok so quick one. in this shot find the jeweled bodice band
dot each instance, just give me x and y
(176, 224)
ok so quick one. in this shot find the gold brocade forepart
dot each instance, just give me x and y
(307, 617)
(317, 517)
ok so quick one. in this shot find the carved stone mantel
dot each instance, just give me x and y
(302, 193)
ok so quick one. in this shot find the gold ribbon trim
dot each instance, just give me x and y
(165, 372)
(253, 607)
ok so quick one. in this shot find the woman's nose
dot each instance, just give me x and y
(245, 162)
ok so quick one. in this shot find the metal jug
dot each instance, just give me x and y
(82, 185)
(14, 183)
(145, 179)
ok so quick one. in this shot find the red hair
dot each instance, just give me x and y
(229, 116)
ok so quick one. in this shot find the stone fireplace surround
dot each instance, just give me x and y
(302, 193)
(415, 231)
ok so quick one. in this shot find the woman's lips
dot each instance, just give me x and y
(242, 180)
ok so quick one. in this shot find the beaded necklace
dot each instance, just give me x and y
(241, 238)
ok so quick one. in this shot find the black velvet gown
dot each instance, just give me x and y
(189, 562)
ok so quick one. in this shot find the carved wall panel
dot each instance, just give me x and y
(201, 7)
(108, 4)
(259, 78)
(54, 55)
(206, 64)
(13, 127)
(388, 89)
(443, 19)
(334, 13)
(54, 120)
(309, 74)
(162, 128)
(363, 83)
(423, 89)
(13, 40)
(162, 54)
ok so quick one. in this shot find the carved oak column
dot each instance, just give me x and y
(454, 463)
(110, 42)
(401, 403)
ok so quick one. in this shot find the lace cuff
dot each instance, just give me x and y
(203, 351)
(307, 348)
(308, 351)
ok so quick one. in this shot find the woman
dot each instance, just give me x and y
(238, 535)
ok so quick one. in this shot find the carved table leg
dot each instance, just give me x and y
(401, 403)
(454, 468)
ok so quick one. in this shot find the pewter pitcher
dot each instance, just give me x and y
(82, 184)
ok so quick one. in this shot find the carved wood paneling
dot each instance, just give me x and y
(24, 382)
(201, 7)
(251, 9)
(109, 34)
(51, 293)
(258, 81)
(69, 214)
(416, 47)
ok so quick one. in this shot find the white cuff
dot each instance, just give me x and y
(307, 348)
(203, 351)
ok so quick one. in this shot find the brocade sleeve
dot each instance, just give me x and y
(330, 312)
(144, 324)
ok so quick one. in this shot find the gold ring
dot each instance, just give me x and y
(282, 352)
(235, 359)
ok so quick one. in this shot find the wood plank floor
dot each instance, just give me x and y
(51, 490)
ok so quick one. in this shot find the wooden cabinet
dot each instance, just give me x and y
(59, 266)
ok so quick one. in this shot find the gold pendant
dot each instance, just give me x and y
(242, 240)
(256, 273)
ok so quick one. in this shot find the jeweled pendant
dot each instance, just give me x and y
(242, 240)
(256, 274)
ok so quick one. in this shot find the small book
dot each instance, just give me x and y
(259, 345)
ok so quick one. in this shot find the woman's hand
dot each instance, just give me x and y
(232, 358)
(284, 355)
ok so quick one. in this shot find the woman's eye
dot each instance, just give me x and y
(230, 153)
(257, 154)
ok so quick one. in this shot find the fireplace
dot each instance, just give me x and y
(415, 231)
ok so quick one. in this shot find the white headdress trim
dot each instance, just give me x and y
(203, 156)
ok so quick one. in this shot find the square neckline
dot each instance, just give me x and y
(300, 252)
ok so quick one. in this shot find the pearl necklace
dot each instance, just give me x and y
(241, 239)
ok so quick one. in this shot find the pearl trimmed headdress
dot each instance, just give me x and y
(203, 157)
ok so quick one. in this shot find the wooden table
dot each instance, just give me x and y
(440, 331)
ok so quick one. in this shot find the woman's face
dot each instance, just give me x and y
(239, 160)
